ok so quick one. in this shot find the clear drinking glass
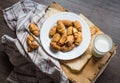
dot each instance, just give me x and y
(101, 45)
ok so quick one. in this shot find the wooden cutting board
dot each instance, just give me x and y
(93, 67)
(90, 68)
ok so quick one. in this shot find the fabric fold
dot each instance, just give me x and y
(30, 11)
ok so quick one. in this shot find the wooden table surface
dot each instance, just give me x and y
(104, 13)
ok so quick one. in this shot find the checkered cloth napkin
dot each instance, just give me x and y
(29, 67)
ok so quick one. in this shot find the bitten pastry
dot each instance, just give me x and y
(77, 25)
(32, 44)
(52, 31)
(78, 38)
(34, 29)
(56, 37)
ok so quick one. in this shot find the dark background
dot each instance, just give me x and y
(104, 13)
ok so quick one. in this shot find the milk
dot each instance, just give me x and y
(101, 45)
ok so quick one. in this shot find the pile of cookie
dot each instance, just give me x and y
(31, 42)
(65, 35)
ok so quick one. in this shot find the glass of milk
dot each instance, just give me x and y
(101, 45)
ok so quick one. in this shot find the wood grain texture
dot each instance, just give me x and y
(104, 13)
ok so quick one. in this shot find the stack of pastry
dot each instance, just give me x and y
(66, 34)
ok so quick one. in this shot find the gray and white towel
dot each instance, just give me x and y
(32, 67)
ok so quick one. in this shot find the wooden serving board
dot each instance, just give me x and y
(93, 67)
(90, 67)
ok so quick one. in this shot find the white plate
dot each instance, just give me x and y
(78, 50)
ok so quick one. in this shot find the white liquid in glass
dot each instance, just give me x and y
(102, 45)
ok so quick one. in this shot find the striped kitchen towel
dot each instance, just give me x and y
(18, 18)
